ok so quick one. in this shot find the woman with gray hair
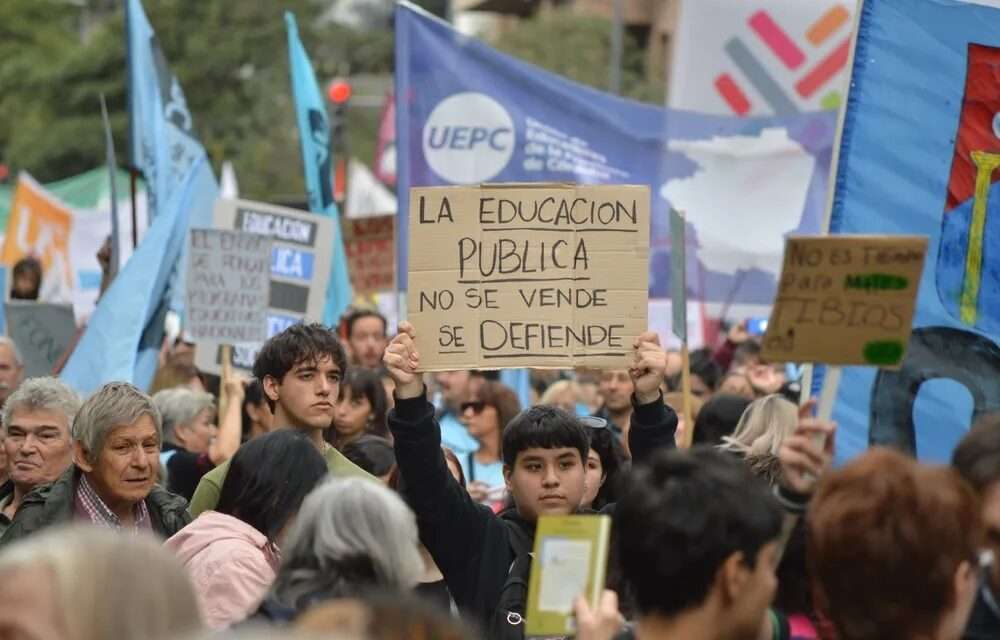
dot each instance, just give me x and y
(192, 444)
(352, 536)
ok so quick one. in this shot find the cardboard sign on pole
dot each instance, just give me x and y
(846, 300)
(228, 284)
(370, 244)
(528, 275)
(300, 257)
(42, 333)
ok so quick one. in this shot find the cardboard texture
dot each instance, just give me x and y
(42, 333)
(228, 284)
(301, 245)
(370, 244)
(846, 300)
(528, 275)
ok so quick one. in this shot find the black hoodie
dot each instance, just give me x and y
(469, 543)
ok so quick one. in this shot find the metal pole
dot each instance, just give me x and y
(617, 45)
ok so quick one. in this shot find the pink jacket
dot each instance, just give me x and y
(231, 564)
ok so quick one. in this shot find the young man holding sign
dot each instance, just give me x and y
(544, 452)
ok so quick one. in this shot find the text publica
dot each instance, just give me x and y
(492, 254)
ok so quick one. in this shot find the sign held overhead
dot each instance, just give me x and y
(228, 286)
(528, 275)
(846, 300)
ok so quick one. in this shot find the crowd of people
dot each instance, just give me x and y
(340, 492)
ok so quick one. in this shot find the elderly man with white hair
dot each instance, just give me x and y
(37, 440)
(116, 453)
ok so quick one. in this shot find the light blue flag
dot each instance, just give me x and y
(314, 132)
(123, 337)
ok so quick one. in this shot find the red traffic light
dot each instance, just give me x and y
(339, 91)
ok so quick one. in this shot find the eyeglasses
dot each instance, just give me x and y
(477, 406)
(593, 422)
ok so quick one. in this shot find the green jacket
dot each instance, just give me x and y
(52, 504)
(206, 496)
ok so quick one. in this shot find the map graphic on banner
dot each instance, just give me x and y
(760, 57)
(935, 164)
(467, 114)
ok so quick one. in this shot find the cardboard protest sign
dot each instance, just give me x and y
(42, 333)
(371, 253)
(528, 275)
(228, 285)
(301, 245)
(846, 300)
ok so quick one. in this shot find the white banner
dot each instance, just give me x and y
(761, 57)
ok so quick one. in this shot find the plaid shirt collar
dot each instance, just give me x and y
(99, 513)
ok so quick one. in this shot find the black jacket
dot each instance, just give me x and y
(467, 540)
(51, 504)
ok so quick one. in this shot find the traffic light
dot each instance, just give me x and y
(339, 93)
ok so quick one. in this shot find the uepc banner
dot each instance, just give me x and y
(467, 115)
(929, 169)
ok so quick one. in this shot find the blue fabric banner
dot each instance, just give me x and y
(467, 114)
(314, 134)
(920, 143)
(123, 337)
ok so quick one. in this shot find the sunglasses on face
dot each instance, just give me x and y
(477, 406)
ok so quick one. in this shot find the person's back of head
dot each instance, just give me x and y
(351, 535)
(544, 452)
(761, 431)
(718, 418)
(373, 454)
(695, 530)
(382, 616)
(268, 479)
(93, 583)
(893, 549)
(977, 456)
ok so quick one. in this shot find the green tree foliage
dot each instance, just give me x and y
(579, 47)
(230, 57)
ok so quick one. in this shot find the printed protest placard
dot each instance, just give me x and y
(299, 269)
(846, 300)
(370, 244)
(228, 284)
(528, 275)
(42, 333)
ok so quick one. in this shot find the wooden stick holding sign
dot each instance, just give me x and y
(678, 303)
(845, 300)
